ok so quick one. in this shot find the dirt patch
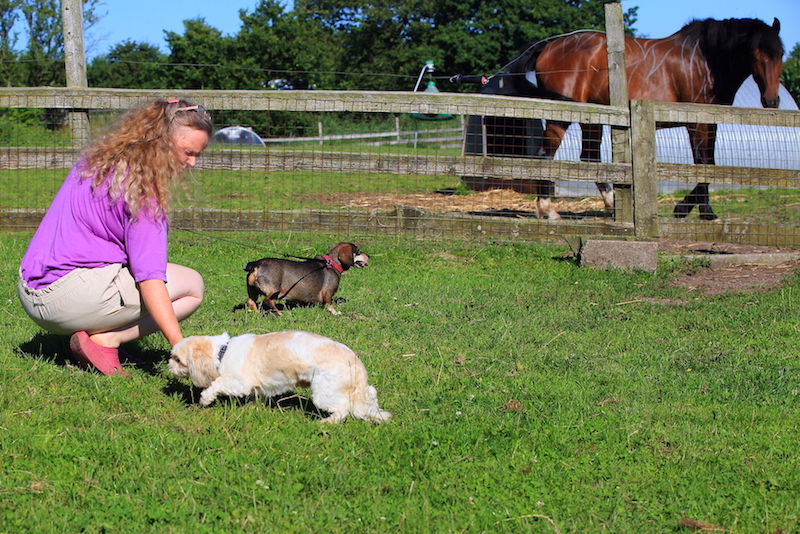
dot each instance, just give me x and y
(715, 251)
(731, 267)
(737, 277)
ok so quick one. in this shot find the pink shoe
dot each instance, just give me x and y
(89, 354)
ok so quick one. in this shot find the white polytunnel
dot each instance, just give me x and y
(237, 135)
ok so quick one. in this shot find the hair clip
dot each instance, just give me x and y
(198, 109)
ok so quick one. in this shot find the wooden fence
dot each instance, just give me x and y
(635, 174)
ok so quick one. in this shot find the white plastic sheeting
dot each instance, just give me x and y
(771, 147)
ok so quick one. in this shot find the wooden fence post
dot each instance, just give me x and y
(75, 61)
(644, 169)
(618, 93)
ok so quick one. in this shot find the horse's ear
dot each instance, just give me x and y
(776, 25)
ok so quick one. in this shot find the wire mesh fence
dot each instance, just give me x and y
(435, 165)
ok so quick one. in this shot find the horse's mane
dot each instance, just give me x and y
(728, 47)
(731, 34)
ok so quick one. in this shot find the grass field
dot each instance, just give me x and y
(529, 395)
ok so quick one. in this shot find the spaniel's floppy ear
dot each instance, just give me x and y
(202, 363)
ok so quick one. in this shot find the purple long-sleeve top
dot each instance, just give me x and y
(85, 227)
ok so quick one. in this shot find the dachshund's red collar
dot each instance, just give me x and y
(331, 264)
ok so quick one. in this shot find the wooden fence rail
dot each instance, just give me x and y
(636, 181)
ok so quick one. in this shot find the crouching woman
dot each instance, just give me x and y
(96, 269)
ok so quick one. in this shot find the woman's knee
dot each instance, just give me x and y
(184, 282)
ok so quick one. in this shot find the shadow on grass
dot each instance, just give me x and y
(190, 395)
(523, 214)
(287, 306)
(177, 388)
(55, 349)
(48, 347)
(293, 401)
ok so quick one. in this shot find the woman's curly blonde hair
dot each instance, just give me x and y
(136, 158)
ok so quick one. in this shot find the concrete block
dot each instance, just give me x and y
(602, 254)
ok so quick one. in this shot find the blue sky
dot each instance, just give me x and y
(660, 18)
(147, 20)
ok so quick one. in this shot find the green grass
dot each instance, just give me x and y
(25, 127)
(529, 395)
(34, 189)
(242, 190)
(296, 190)
(764, 206)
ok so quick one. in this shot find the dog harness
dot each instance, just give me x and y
(331, 264)
(221, 352)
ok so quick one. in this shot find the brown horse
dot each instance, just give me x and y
(705, 62)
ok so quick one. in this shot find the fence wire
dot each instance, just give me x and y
(424, 165)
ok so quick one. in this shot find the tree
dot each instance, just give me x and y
(42, 60)
(45, 52)
(270, 44)
(289, 45)
(202, 58)
(790, 77)
(460, 36)
(332, 44)
(130, 65)
(9, 67)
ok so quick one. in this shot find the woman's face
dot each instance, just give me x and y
(189, 144)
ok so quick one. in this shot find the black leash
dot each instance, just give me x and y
(281, 297)
(240, 244)
(302, 258)
(231, 241)
(460, 79)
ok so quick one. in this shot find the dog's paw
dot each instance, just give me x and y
(382, 417)
(335, 418)
(205, 400)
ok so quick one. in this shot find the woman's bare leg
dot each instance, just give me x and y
(185, 287)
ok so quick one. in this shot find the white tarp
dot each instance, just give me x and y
(771, 147)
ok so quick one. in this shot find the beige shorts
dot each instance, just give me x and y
(94, 300)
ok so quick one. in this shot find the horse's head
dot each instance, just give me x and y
(768, 62)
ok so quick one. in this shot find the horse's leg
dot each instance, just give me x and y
(551, 140)
(592, 136)
(703, 138)
(697, 197)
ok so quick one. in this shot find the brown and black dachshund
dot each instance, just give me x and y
(314, 280)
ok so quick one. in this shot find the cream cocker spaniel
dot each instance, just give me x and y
(276, 363)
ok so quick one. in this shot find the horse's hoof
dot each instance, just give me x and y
(706, 213)
(682, 210)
